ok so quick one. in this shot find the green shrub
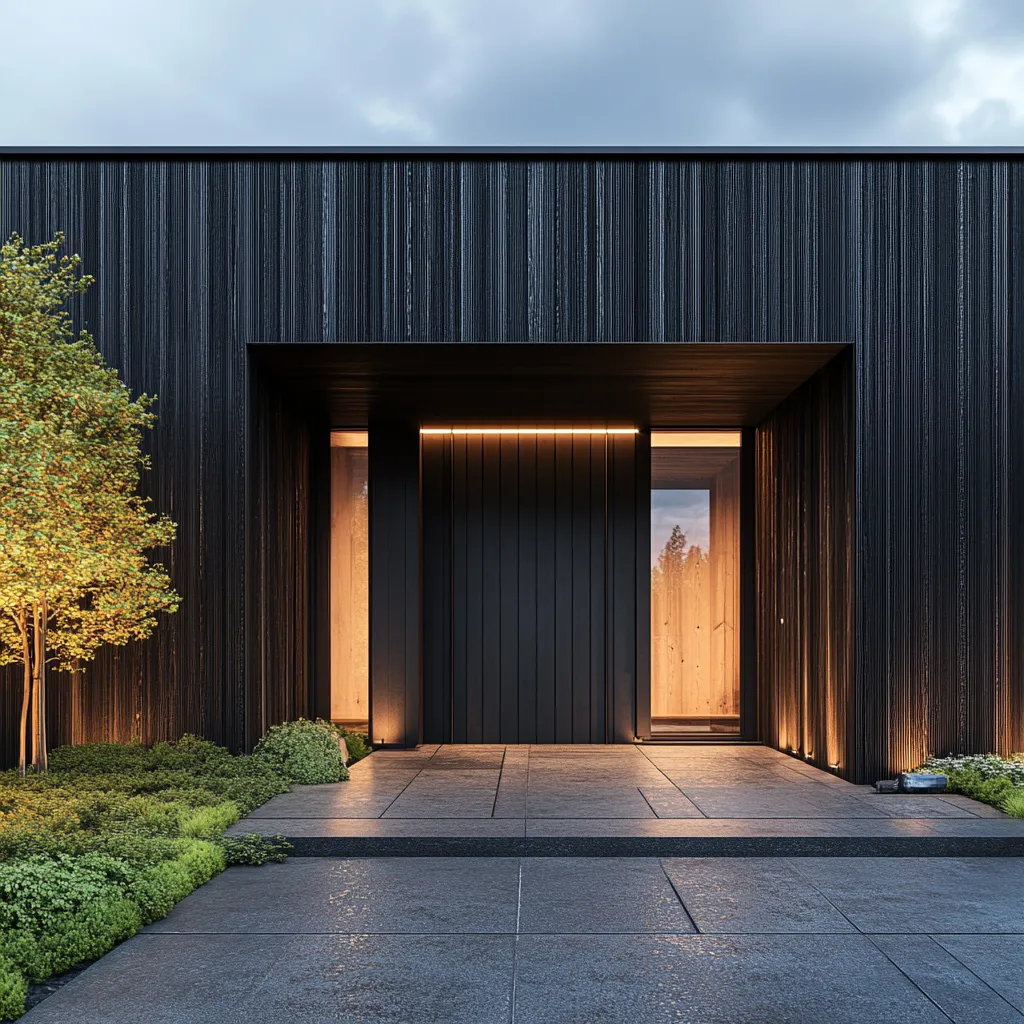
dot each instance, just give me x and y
(302, 751)
(158, 888)
(988, 766)
(253, 850)
(1013, 802)
(111, 838)
(978, 787)
(13, 990)
(85, 935)
(37, 891)
(357, 743)
(991, 779)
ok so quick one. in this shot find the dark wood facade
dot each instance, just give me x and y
(906, 631)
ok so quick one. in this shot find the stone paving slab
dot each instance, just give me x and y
(995, 959)
(963, 993)
(644, 941)
(714, 800)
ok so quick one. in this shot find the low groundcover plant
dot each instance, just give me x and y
(115, 834)
(989, 778)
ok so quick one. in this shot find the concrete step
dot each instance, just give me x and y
(658, 846)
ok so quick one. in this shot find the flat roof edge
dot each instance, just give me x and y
(470, 152)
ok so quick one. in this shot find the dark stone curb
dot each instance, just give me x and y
(658, 846)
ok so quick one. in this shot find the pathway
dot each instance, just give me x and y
(621, 800)
(564, 940)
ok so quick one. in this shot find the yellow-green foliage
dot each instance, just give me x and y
(74, 528)
(110, 839)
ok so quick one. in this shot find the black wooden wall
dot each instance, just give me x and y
(393, 464)
(804, 522)
(916, 261)
(530, 555)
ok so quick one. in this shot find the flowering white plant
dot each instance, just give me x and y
(988, 766)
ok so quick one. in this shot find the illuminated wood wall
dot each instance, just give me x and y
(695, 616)
(725, 590)
(349, 575)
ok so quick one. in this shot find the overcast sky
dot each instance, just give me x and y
(513, 72)
(689, 510)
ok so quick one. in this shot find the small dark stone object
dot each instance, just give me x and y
(886, 786)
(909, 782)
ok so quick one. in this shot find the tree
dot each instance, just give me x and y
(74, 531)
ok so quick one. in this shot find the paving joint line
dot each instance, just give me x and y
(497, 788)
(911, 980)
(967, 968)
(400, 792)
(646, 801)
(643, 753)
(790, 866)
(682, 902)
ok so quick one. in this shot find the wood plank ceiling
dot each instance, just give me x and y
(657, 385)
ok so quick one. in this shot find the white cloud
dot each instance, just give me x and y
(513, 72)
(935, 17)
(989, 83)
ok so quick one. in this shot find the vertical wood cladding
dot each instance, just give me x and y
(805, 572)
(529, 587)
(915, 261)
(393, 489)
(281, 572)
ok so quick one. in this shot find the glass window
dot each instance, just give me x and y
(695, 490)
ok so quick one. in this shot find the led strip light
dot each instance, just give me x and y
(528, 430)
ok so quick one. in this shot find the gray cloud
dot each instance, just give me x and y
(532, 72)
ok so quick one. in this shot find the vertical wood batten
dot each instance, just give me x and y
(916, 261)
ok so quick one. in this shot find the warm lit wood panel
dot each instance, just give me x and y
(695, 599)
(681, 674)
(725, 590)
(349, 589)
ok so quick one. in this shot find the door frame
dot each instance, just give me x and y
(749, 725)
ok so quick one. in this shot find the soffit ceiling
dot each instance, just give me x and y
(668, 385)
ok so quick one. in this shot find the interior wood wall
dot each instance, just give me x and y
(915, 260)
(725, 589)
(350, 587)
(695, 607)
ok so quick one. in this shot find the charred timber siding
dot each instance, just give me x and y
(917, 262)
(804, 491)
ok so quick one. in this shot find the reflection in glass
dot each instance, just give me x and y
(694, 585)
(350, 578)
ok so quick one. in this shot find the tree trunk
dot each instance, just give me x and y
(26, 692)
(39, 688)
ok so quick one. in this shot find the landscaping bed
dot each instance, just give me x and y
(113, 835)
(994, 780)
